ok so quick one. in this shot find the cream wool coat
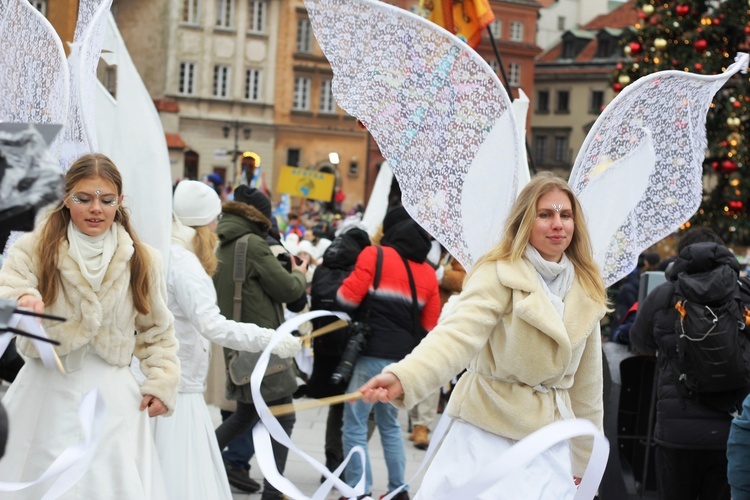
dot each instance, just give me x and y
(106, 320)
(506, 332)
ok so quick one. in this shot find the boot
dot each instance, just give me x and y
(421, 441)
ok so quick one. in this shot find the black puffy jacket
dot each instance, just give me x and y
(682, 419)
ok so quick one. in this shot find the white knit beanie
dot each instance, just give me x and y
(195, 203)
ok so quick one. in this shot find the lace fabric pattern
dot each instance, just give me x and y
(430, 104)
(667, 111)
(34, 76)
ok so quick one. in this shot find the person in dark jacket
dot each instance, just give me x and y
(267, 286)
(691, 434)
(338, 262)
(738, 454)
(397, 324)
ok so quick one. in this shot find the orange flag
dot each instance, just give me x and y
(464, 18)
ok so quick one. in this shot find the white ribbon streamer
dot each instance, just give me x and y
(32, 325)
(75, 460)
(271, 428)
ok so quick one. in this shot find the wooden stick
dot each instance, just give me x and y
(284, 409)
(336, 325)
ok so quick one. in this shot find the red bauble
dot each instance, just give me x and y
(654, 21)
(700, 45)
(716, 22)
(736, 104)
(617, 86)
(682, 10)
(728, 166)
(619, 66)
(635, 48)
(715, 165)
(747, 30)
(736, 205)
(698, 67)
(724, 144)
(675, 63)
(642, 15)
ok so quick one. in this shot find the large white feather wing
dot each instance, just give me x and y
(639, 171)
(130, 132)
(437, 111)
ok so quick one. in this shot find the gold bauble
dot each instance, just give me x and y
(648, 9)
(660, 43)
(627, 49)
(624, 79)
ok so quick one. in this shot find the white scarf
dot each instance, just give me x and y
(182, 235)
(92, 253)
(556, 277)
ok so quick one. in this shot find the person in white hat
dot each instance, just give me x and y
(188, 451)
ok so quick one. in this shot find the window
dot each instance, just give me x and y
(327, 104)
(225, 13)
(304, 36)
(190, 169)
(494, 65)
(563, 101)
(40, 5)
(542, 101)
(221, 81)
(561, 149)
(569, 49)
(187, 78)
(292, 157)
(540, 149)
(516, 31)
(561, 23)
(605, 47)
(514, 74)
(301, 94)
(252, 85)
(110, 80)
(597, 101)
(256, 16)
(190, 12)
(496, 28)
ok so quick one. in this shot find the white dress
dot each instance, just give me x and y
(42, 406)
(467, 448)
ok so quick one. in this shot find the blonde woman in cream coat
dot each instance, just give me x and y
(188, 451)
(526, 328)
(86, 264)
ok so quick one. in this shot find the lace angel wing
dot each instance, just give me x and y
(436, 109)
(80, 131)
(639, 171)
(130, 132)
(34, 77)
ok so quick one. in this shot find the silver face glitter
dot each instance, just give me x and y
(97, 192)
(556, 207)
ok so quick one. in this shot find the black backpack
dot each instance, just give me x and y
(713, 347)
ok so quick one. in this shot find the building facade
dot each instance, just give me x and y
(572, 87)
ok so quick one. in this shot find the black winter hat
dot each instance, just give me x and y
(254, 198)
(360, 237)
(393, 217)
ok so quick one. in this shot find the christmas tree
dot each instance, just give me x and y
(703, 37)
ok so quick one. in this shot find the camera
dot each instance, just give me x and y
(357, 342)
(286, 260)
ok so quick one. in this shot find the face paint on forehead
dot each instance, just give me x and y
(97, 192)
(556, 207)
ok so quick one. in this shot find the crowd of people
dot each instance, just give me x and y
(521, 329)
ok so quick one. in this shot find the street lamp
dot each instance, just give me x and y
(236, 153)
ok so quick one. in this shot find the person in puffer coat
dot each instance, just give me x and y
(397, 325)
(267, 286)
(691, 434)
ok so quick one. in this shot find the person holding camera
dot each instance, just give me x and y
(393, 294)
(266, 287)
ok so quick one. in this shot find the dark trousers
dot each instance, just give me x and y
(244, 419)
(691, 474)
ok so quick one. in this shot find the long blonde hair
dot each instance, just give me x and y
(55, 232)
(518, 232)
(204, 246)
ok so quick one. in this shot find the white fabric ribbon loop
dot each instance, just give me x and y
(271, 428)
(75, 460)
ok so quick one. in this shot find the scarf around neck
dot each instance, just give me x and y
(92, 253)
(556, 277)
